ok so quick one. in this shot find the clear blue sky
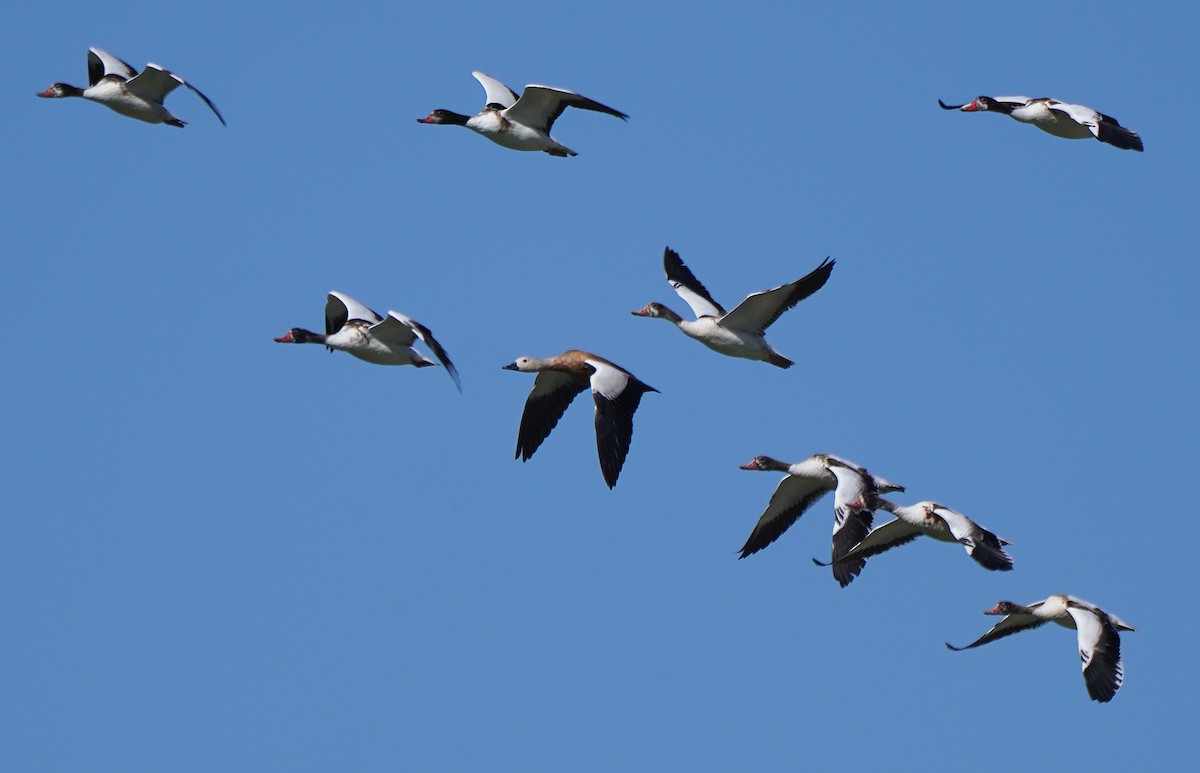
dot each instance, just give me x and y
(223, 553)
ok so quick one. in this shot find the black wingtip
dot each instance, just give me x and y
(822, 563)
(1119, 137)
(451, 371)
(952, 648)
(944, 106)
(748, 549)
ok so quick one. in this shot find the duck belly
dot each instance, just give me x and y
(354, 341)
(731, 343)
(508, 134)
(1052, 122)
(120, 101)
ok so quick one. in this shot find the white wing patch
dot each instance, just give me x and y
(960, 525)
(701, 307)
(111, 65)
(608, 381)
(350, 308)
(497, 92)
(1084, 116)
(1087, 623)
(851, 486)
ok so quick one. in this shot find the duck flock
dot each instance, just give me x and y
(523, 122)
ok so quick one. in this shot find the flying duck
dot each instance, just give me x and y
(932, 520)
(355, 329)
(1062, 119)
(738, 333)
(116, 85)
(615, 391)
(806, 482)
(1099, 640)
(521, 123)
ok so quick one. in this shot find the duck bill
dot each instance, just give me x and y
(971, 107)
(286, 338)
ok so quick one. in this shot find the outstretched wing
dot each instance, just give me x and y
(540, 106)
(689, 287)
(394, 330)
(617, 394)
(1100, 653)
(412, 327)
(794, 495)
(1104, 127)
(553, 391)
(1007, 627)
(852, 518)
(155, 83)
(880, 540)
(760, 310)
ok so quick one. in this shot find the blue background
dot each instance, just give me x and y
(221, 553)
